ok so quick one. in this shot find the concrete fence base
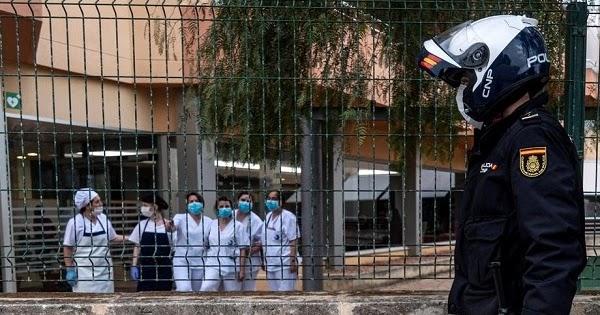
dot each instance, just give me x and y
(284, 303)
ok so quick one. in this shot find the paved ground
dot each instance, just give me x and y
(423, 285)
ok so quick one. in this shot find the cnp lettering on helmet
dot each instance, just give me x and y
(488, 83)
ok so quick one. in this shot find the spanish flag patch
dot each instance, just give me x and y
(430, 61)
(533, 161)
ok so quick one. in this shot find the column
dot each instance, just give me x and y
(9, 284)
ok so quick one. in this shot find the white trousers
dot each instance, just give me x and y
(249, 283)
(188, 279)
(213, 279)
(282, 280)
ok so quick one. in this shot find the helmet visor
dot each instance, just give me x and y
(464, 46)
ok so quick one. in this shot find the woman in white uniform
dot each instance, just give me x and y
(227, 252)
(254, 228)
(192, 230)
(279, 243)
(86, 245)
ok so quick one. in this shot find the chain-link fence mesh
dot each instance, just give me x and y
(321, 101)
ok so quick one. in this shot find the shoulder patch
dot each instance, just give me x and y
(533, 161)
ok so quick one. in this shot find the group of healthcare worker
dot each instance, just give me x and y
(195, 252)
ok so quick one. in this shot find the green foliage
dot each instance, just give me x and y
(263, 66)
(360, 118)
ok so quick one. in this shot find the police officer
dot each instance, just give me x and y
(520, 229)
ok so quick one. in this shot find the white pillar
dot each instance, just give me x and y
(407, 212)
(196, 170)
(337, 216)
(9, 284)
(206, 175)
(167, 173)
(412, 204)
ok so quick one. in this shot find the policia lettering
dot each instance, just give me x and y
(520, 241)
(533, 161)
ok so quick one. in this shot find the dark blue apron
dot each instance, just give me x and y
(156, 266)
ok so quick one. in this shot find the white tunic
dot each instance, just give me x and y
(224, 246)
(254, 229)
(192, 238)
(75, 227)
(278, 233)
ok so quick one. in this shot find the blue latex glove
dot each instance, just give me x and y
(134, 273)
(71, 276)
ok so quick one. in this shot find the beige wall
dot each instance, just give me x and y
(62, 98)
(375, 146)
(591, 88)
(108, 46)
(22, 8)
(111, 37)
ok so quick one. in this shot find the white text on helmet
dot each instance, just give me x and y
(541, 58)
(488, 84)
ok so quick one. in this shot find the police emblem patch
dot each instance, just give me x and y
(533, 161)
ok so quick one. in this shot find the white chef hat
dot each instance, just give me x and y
(83, 196)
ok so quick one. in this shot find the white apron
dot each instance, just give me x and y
(93, 261)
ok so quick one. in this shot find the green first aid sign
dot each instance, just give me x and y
(12, 100)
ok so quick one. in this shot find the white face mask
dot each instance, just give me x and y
(462, 110)
(147, 211)
(98, 210)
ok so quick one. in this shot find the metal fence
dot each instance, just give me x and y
(320, 100)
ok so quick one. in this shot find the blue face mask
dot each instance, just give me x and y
(272, 204)
(195, 207)
(224, 212)
(245, 206)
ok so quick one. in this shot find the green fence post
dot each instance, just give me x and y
(575, 82)
(577, 14)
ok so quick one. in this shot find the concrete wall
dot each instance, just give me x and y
(155, 303)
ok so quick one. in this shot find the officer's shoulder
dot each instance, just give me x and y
(534, 128)
(536, 120)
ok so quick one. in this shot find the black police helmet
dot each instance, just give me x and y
(493, 62)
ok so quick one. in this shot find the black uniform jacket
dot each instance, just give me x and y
(522, 207)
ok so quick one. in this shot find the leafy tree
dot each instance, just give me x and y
(263, 65)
